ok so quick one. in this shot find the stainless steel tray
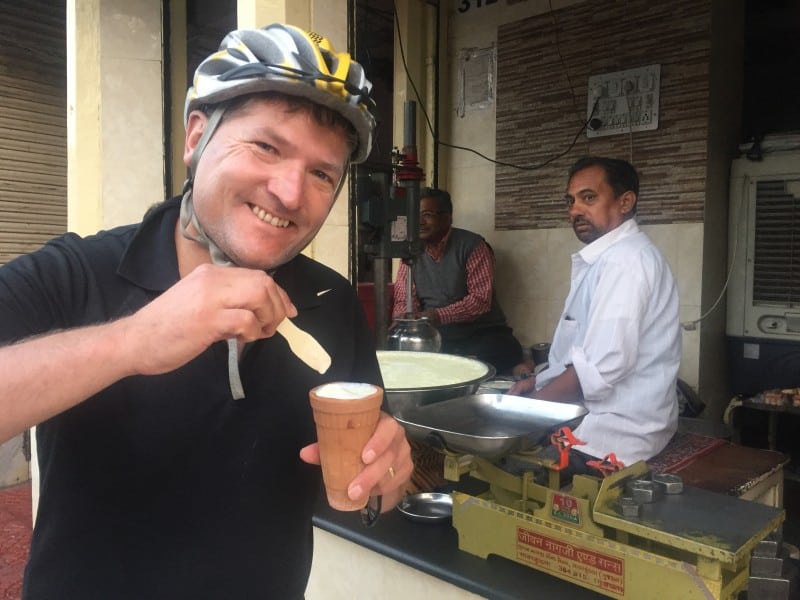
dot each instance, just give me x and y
(488, 425)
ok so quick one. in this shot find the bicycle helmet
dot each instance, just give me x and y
(286, 59)
(277, 58)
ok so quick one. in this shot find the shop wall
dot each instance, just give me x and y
(545, 54)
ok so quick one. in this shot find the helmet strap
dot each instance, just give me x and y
(187, 216)
(211, 126)
(218, 257)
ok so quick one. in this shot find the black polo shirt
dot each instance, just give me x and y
(164, 486)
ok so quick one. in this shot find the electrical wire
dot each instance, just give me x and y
(457, 147)
(692, 325)
(687, 325)
(564, 62)
(627, 23)
(630, 127)
(408, 74)
(535, 167)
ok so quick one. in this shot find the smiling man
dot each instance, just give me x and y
(617, 345)
(175, 435)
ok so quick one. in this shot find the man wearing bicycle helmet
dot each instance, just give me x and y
(174, 430)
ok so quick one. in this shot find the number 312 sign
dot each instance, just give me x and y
(465, 5)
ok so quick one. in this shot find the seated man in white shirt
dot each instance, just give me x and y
(617, 345)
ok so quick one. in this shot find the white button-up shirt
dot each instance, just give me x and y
(620, 330)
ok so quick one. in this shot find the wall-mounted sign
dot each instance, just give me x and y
(463, 6)
(476, 69)
(623, 101)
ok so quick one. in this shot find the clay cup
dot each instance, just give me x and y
(346, 415)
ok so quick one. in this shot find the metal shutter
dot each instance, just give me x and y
(33, 125)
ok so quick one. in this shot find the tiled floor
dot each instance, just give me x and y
(15, 537)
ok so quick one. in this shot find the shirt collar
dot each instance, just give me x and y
(150, 261)
(436, 251)
(591, 252)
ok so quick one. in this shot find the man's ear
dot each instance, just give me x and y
(627, 202)
(195, 125)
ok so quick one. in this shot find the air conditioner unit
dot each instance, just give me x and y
(763, 319)
(764, 248)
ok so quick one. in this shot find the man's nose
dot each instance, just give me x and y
(287, 184)
(573, 209)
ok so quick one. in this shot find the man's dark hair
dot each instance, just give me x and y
(620, 174)
(442, 198)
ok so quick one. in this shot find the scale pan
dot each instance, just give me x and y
(488, 425)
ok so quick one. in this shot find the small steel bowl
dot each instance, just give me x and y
(427, 507)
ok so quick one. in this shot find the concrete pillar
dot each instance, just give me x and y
(115, 128)
(257, 13)
(84, 189)
(176, 41)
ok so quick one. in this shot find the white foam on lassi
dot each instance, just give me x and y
(344, 390)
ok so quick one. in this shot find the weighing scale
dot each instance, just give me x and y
(632, 533)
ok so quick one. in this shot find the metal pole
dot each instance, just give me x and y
(383, 272)
(411, 176)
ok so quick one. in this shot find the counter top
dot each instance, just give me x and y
(433, 549)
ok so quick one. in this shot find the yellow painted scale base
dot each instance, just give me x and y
(696, 544)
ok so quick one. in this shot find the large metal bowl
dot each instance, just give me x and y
(413, 379)
(489, 425)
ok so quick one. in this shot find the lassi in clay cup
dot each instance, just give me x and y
(346, 415)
